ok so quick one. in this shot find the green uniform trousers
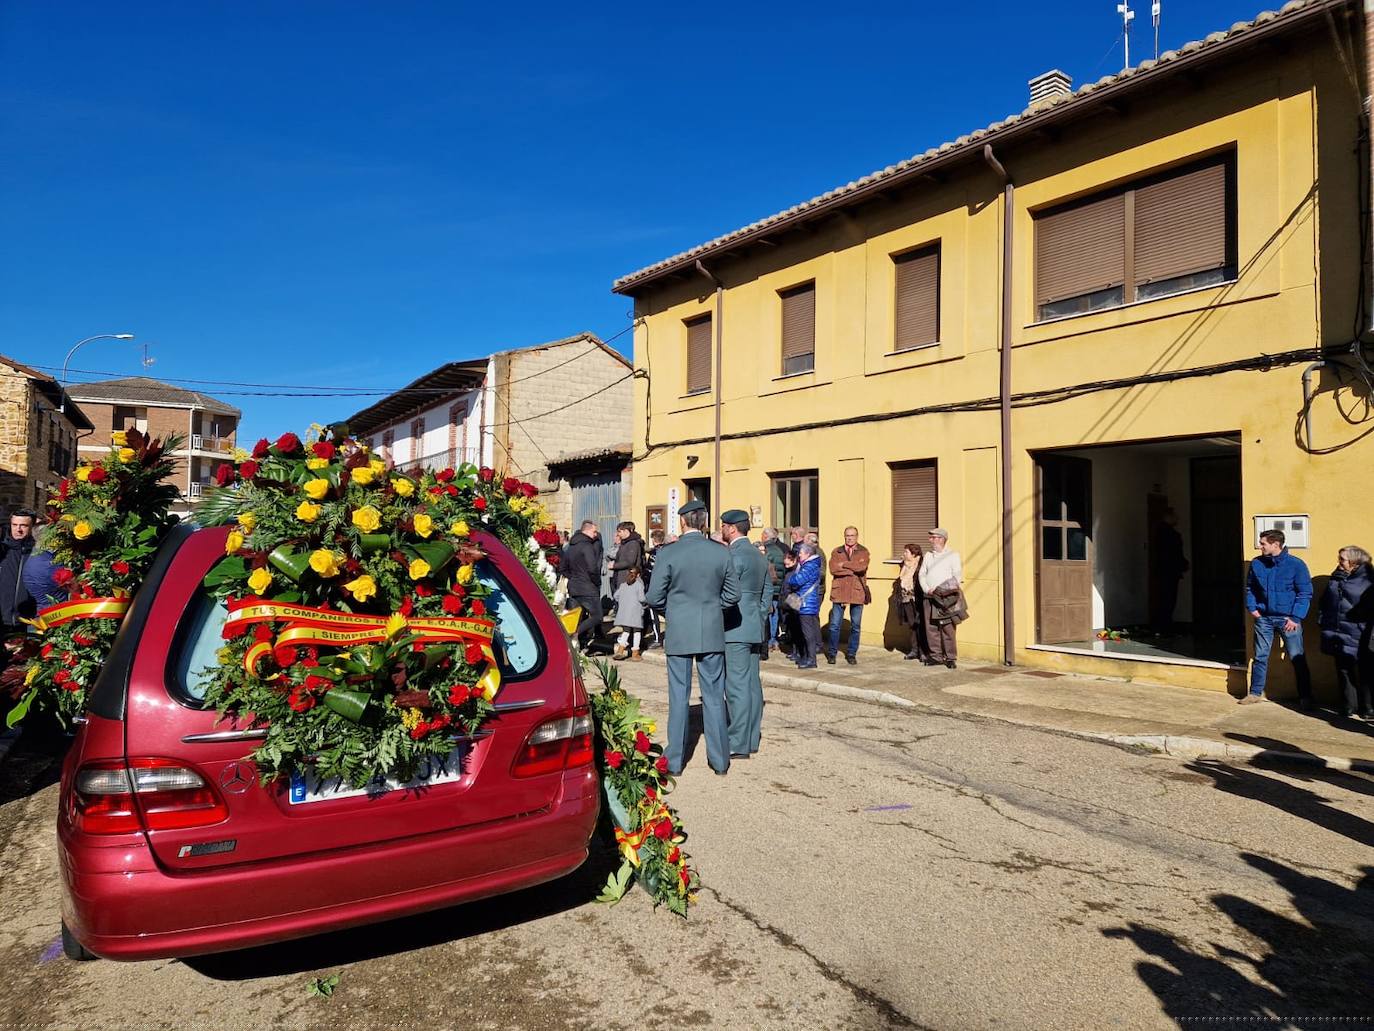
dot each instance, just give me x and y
(743, 696)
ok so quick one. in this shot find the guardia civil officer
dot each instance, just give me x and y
(694, 581)
(745, 633)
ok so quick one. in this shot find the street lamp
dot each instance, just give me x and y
(62, 384)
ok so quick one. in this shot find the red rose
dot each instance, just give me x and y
(407, 607)
(248, 469)
(233, 630)
(61, 677)
(450, 490)
(72, 685)
(262, 632)
(83, 639)
(86, 566)
(301, 701)
(478, 608)
(614, 759)
(528, 489)
(46, 650)
(661, 764)
(472, 654)
(224, 474)
(315, 682)
(674, 855)
(97, 475)
(419, 731)
(486, 474)
(323, 449)
(120, 566)
(310, 661)
(452, 604)
(459, 694)
(68, 659)
(649, 791)
(288, 442)
(260, 448)
(436, 490)
(663, 830)
(285, 655)
(423, 590)
(444, 475)
(642, 742)
(480, 504)
(459, 590)
(63, 576)
(510, 485)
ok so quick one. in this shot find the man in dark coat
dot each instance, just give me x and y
(582, 561)
(15, 602)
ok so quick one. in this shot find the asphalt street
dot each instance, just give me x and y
(869, 868)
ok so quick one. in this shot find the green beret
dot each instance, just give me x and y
(735, 516)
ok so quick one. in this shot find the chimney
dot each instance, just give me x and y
(1046, 88)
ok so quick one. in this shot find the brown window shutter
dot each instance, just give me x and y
(798, 321)
(699, 345)
(1080, 249)
(917, 289)
(915, 509)
(1180, 224)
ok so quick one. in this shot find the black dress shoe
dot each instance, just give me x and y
(738, 755)
(909, 655)
(830, 658)
(851, 660)
(949, 664)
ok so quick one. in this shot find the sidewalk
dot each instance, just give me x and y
(1178, 721)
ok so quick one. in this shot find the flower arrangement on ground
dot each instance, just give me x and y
(635, 777)
(357, 632)
(104, 525)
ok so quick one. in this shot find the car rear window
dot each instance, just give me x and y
(519, 649)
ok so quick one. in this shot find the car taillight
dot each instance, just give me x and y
(562, 743)
(151, 794)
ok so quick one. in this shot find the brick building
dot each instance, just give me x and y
(206, 424)
(37, 442)
(518, 411)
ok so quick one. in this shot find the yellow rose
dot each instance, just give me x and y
(307, 512)
(424, 525)
(363, 475)
(651, 728)
(81, 530)
(403, 487)
(465, 574)
(248, 520)
(126, 454)
(419, 569)
(367, 518)
(325, 562)
(362, 588)
(316, 489)
(316, 463)
(83, 472)
(119, 438)
(233, 542)
(260, 581)
(459, 529)
(377, 466)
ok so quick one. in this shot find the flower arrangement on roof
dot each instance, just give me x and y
(104, 524)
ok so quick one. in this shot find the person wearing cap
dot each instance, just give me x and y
(695, 582)
(940, 576)
(745, 633)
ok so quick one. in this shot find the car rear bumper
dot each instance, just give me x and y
(121, 904)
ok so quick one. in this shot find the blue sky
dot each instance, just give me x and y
(348, 193)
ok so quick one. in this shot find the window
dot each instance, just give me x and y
(128, 417)
(417, 439)
(699, 490)
(915, 504)
(798, 329)
(916, 288)
(699, 354)
(1160, 236)
(796, 501)
(388, 444)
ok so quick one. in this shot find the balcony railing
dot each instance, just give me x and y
(448, 458)
(217, 445)
(196, 490)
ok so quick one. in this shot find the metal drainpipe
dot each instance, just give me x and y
(719, 323)
(1004, 398)
(1307, 398)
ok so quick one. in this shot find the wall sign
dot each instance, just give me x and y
(1295, 528)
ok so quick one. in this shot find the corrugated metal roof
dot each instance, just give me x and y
(147, 390)
(1189, 54)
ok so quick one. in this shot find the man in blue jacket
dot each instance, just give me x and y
(1278, 593)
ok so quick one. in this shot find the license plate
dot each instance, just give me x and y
(307, 788)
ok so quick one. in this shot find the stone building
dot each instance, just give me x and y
(517, 411)
(37, 442)
(206, 424)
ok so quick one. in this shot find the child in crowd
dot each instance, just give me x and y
(629, 616)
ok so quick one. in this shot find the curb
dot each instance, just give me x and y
(1171, 745)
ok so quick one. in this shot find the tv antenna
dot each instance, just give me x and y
(148, 360)
(1127, 16)
(1154, 16)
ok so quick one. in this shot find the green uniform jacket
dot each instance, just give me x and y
(693, 583)
(744, 621)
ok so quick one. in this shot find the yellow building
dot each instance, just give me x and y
(1183, 261)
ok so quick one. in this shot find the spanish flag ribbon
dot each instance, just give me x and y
(84, 608)
(629, 843)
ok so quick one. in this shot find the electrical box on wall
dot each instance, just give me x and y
(1294, 527)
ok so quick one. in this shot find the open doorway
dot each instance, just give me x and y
(1140, 549)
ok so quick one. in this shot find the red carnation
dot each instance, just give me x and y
(459, 590)
(418, 731)
(315, 682)
(450, 490)
(674, 855)
(323, 449)
(97, 475)
(69, 658)
(46, 650)
(444, 475)
(663, 830)
(423, 590)
(480, 504)
(288, 442)
(642, 742)
(233, 630)
(440, 722)
(528, 489)
(120, 566)
(62, 577)
(260, 448)
(310, 661)
(478, 608)
(224, 474)
(407, 607)
(72, 685)
(262, 632)
(472, 654)
(61, 677)
(301, 701)
(614, 759)
(486, 474)
(452, 604)
(459, 694)
(285, 655)
(248, 469)
(510, 485)
(661, 764)
(83, 639)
